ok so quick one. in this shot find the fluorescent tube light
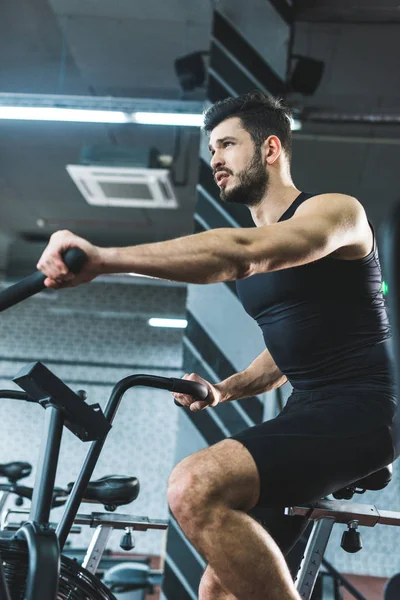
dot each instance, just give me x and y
(43, 113)
(179, 323)
(295, 124)
(186, 120)
(36, 113)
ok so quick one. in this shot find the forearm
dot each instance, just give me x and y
(261, 376)
(207, 257)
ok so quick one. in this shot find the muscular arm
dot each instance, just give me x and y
(207, 257)
(320, 226)
(261, 376)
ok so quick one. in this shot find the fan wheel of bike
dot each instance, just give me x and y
(75, 582)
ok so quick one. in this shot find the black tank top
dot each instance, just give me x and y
(324, 322)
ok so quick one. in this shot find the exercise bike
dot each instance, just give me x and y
(32, 566)
(14, 472)
(111, 491)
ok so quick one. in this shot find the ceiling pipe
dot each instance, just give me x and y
(326, 116)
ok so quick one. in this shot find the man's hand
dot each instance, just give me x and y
(52, 265)
(213, 398)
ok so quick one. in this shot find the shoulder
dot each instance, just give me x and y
(344, 216)
(336, 205)
(337, 211)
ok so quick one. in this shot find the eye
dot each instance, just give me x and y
(225, 143)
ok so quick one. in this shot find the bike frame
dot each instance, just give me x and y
(65, 408)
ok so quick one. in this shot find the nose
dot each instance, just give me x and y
(217, 161)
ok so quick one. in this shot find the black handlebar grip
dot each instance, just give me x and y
(191, 388)
(74, 258)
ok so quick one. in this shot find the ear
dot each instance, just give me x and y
(272, 149)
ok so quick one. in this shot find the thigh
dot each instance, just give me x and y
(306, 454)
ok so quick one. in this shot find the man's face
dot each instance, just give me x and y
(237, 165)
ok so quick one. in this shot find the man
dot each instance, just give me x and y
(309, 274)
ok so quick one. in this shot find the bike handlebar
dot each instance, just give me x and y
(192, 388)
(74, 258)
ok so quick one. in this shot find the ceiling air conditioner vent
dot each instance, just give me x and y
(124, 186)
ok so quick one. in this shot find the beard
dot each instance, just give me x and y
(252, 186)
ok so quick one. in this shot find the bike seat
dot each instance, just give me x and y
(375, 481)
(15, 470)
(111, 490)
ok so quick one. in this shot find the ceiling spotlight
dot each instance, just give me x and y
(306, 75)
(191, 71)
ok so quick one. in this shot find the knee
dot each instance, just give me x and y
(189, 495)
(210, 586)
(184, 489)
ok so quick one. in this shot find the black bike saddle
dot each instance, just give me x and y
(111, 490)
(15, 470)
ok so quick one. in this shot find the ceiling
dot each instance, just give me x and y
(343, 11)
(127, 49)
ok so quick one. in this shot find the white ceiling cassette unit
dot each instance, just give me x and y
(127, 187)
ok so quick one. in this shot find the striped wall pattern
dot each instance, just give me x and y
(248, 51)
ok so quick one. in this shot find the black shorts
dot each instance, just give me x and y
(321, 441)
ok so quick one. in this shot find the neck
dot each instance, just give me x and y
(280, 194)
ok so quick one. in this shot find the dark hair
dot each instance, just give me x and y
(261, 115)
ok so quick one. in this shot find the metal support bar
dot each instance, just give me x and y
(120, 521)
(3, 500)
(18, 511)
(6, 525)
(77, 492)
(389, 517)
(42, 498)
(343, 511)
(96, 548)
(313, 555)
(104, 524)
